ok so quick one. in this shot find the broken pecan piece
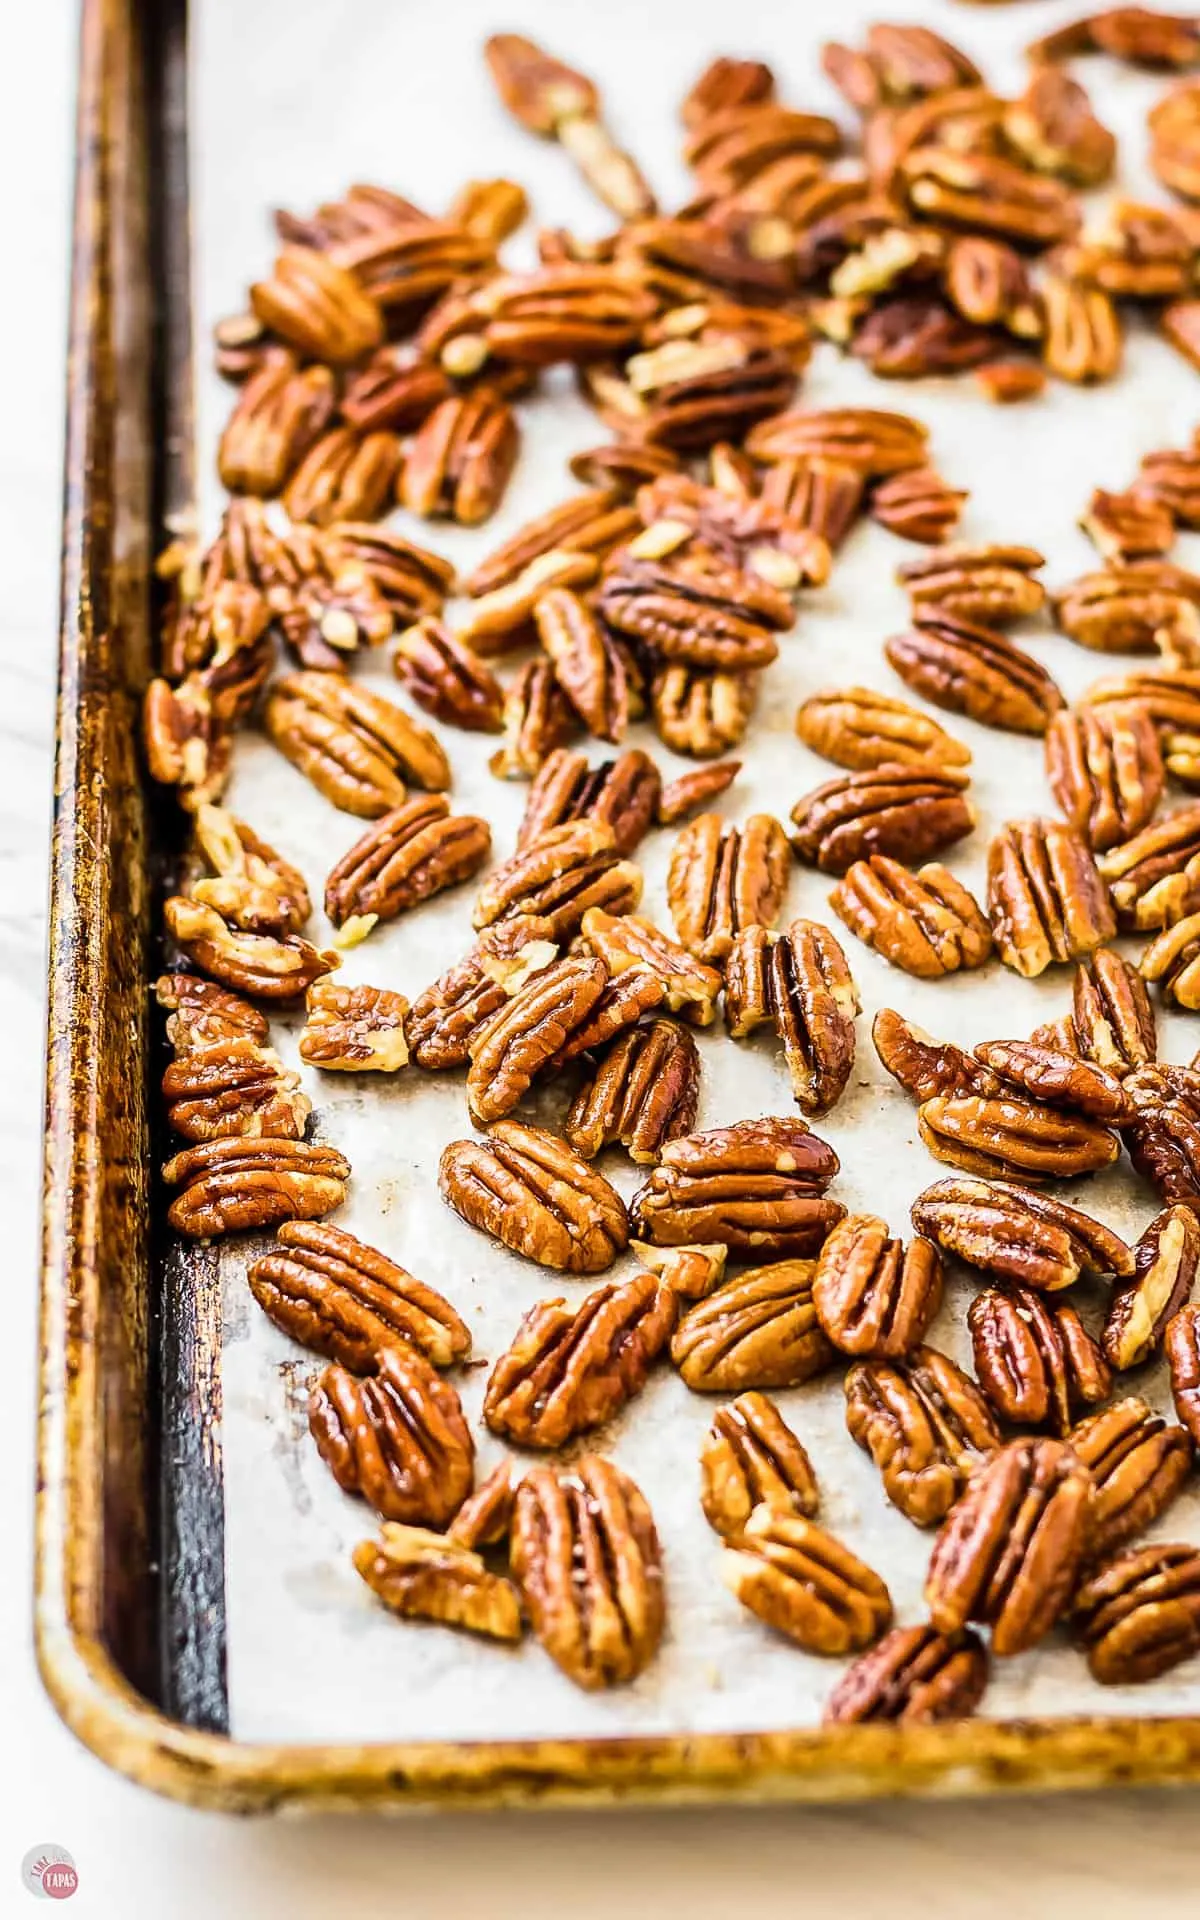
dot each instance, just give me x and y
(254, 887)
(538, 719)
(623, 793)
(569, 1369)
(1046, 900)
(644, 1093)
(925, 1067)
(693, 791)
(874, 1295)
(627, 942)
(760, 1330)
(356, 748)
(234, 1087)
(586, 1553)
(757, 1187)
(527, 1032)
(1035, 1363)
(858, 728)
(797, 1578)
(752, 1458)
(245, 1185)
(354, 1029)
(397, 1437)
(965, 668)
(1154, 878)
(723, 878)
(201, 1013)
(1165, 1262)
(1128, 526)
(447, 679)
(339, 1297)
(267, 966)
(532, 1193)
(1105, 769)
(1138, 1462)
(925, 1425)
(691, 1272)
(903, 811)
(1139, 1615)
(1111, 1017)
(417, 850)
(461, 460)
(560, 877)
(799, 981)
(915, 1676)
(1022, 1237)
(1181, 1342)
(445, 1018)
(429, 1576)
(926, 923)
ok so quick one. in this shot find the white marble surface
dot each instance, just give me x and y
(1096, 1856)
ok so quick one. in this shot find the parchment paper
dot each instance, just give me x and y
(291, 104)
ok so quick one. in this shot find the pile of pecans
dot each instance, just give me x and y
(384, 361)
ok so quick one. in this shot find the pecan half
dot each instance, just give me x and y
(1105, 769)
(398, 1437)
(1169, 483)
(245, 1185)
(527, 1032)
(816, 495)
(1006, 382)
(571, 1368)
(1144, 606)
(693, 791)
(874, 1295)
(1165, 1262)
(538, 719)
(560, 877)
(1163, 1136)
(318, 307)
(1056, 1076)
(701, 714)
(988, 282)
(799, 981)
(627, 942)
(344, 476)
(254, 887)
(1052, 127)
(201, 1013)
(870, 440)
(587, 664)
(234, 1087)
(1154, 878)
(1003, 1136)
(445, 1018)
(1128, 526)
(799, 1580)
(1046, 900)
(430, 1576)
(1181, 1342)
(926, 1426)
(1082, 341)
(356, 748)
(1141, 36)
(717, 618)
(918, 505)
(926, 923)
(623, 793)
(758, 1331)
(724, 83)
(1112, 1018)
(987, 195)
(757, 1187)
(644, 1093)
(585, 1551)
(993, 585)
(1174, 123)
(902, 811)
(447, 679)
(1139, 1615)
(915, 1676)
(461, 460)
(393, 392)
(1035, 1363)
(533, 1194)
(354, 1029)
(1138, 1462)
(723, 878)
(592, 522)
(925, 1067)
(1170, 962)
(339, 1297)
(409, 855)
(752, 1458)
(267, 966)
(280, 412)
(858, 728)
(502, 619)
(1020, 1236)
(965, 668)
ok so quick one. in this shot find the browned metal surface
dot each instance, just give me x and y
(129, 1611)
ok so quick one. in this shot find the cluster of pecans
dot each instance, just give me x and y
(384, 360)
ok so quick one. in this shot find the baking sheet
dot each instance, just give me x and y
(290, 105)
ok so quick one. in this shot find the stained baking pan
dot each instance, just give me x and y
(176, 1635)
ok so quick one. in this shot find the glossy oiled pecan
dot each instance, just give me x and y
(626, 942)
(200, 1013)
(460, 462)
(1111, 1015)
(1010, 1553)
(1172, 962)
(586, 1554)
(575, 313)
(354, 1029)
(412, 853)
(1154, 878)
(816, 495)
(571, 1368)
(861, 729)
(915, 1676)
(874, 1295)
(1145, 606)
(397, 1437)
(926, 1426)
(868, 439)
(800, 983)
(1020, 1236)
(925, 1067)
(1002, 1137)
(991, 584)
(757, 1187)
(966, 668)
(989, 283)
(393, 392)
(591, 522)
(799, 1580)
(622, 793)
(693, 792)
(533, 1194)
(267, 966)
(245, 1185)
(903, 811)
(1138, 1462)
(1128, 526)
(1181, 1343)
(701, 714)
(1057, 1076)
(447, 679)
(252, 886)
(518, 1041)
(318, 307)
(1046, 900)
(1139, 1615)
(411, 580)
(560, 877)
(357, 749)
(760, 1330)
(1105, 769)
(1163, 1136)
(234, 1086)
(429, 1576)
(1165, 1261)
(752, 1458)
(1037, 1364)
(926, 923)
(537, 720)
(445, 1018)
(587, 664)
(1171, 696)
(644, 1092)
(341, 1298)
(723, 878)
(1082, 341)
(716, 619)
